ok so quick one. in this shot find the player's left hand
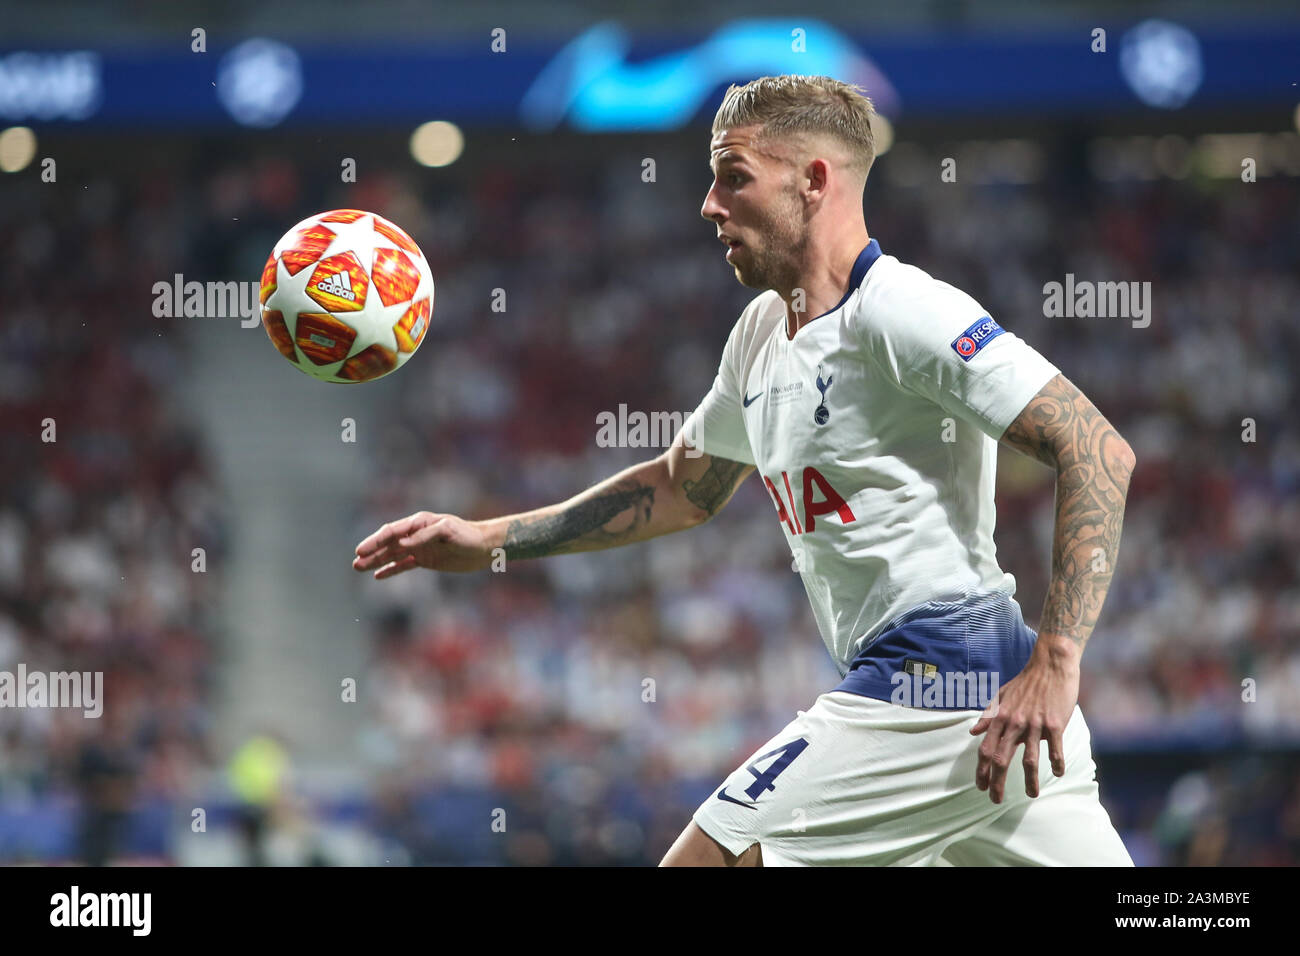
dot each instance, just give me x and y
(1033, 706)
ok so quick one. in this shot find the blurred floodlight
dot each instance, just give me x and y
(1161, 62)
(882, 132)
(259, 82)
(17, 148)
(437, 143)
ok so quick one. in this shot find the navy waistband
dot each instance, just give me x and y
(945, 655)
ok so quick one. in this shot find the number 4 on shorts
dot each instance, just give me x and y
(763, 779)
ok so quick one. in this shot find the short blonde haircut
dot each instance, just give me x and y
(782, 105)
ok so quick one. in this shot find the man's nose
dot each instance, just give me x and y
(711, 208)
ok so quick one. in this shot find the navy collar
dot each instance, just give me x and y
(869, 254)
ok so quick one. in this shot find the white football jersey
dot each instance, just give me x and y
(875, 433)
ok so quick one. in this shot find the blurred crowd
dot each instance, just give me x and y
(577, 709)
(109, 519)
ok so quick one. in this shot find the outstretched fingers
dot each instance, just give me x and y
(384, 547)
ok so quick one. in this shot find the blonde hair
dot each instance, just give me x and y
(782, 105)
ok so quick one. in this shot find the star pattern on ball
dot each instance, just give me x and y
(359, 237)
(355, 301)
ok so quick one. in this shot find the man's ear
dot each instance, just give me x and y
(818, 173)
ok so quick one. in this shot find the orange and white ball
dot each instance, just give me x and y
(346, 296)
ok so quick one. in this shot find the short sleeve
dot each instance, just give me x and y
(945, 347)
(717, 426)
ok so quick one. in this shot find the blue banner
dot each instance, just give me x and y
(608, 79)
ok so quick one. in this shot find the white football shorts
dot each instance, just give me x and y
(856, 781)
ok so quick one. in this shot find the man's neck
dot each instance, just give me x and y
(822, 285)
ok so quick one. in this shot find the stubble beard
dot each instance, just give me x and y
(774, 264)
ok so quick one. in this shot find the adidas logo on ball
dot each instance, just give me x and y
(346, 296)
(337, 285)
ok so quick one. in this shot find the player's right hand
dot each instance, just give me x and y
(424, 540)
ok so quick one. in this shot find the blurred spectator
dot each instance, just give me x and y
(106, 775)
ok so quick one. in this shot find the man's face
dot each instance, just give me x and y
(755, 207)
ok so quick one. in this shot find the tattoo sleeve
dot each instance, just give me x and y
(714, 488)
(584, 525)
(1063, 429)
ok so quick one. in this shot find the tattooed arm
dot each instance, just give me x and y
(669, 493)
(1063, 430)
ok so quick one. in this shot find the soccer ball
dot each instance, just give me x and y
(346, 296)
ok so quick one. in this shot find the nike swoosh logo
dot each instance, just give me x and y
(750, 401)
(591, 83)
(722, 795)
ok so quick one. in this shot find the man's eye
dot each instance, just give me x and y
(734, 179)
